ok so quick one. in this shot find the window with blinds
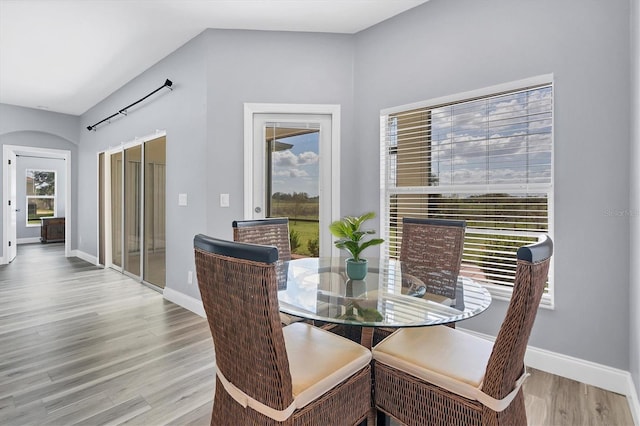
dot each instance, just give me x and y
(486, 159)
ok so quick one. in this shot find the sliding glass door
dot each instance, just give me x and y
(136, 211)
(116, 209)
(154, 212)
(132, 209)
(101, 208)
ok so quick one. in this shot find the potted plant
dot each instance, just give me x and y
(352, 239)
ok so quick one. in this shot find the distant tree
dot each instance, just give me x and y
(299, 199)
(44, 183)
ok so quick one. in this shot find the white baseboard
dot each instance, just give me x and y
(591, 373)
(84, 256)
(29, 240)
(634, 402)
(187, 302)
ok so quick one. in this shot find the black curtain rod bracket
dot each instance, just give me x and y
(168, 83)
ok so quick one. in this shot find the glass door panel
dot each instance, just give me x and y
(101, 212)
(293, 182)
(154, 212)
(116, 209)
(132, 209)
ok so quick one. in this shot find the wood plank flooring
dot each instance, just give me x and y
(84, 345)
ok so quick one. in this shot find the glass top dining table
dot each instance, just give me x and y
(319, 289)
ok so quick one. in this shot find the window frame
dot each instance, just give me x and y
(498, 291)
(54, 197)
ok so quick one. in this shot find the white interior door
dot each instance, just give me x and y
(10, 181)
(293, 167)
(12, 213)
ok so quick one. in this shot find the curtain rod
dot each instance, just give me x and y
(168, 83)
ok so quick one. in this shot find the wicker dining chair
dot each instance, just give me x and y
(452, 377)
(270, 232)
(431, 251)
(266, 373)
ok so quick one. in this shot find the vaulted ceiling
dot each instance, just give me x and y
(68, 55)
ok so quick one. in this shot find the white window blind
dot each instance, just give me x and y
(485, 159)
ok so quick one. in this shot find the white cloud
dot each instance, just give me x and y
(308, 157)
(284, 159)
(293, 173)
(288, 159)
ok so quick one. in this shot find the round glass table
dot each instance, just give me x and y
(318, 289)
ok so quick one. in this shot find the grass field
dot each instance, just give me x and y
(307, 231)
(302, 209)
(34, 219)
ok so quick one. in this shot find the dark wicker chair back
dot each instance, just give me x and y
(237, 283)
(506, 363)
(268, 232)
(431, 250)
(255, 384)
(271, 231)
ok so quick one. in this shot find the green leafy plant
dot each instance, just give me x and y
(355, 312)
(294, 239)
(314, 247)
(351, 237)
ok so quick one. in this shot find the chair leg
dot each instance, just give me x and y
(366, 337)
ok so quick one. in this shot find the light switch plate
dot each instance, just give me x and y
(224, 200)
(182, 199)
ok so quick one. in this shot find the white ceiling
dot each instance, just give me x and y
(68, 55)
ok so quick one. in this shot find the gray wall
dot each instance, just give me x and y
(42, 129)
(267, 67)
(451, 46)
(18, 119)
(634, 299)
(182, 113)
(213, 76)
(24, 163)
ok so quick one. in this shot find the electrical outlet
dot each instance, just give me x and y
(190, 277)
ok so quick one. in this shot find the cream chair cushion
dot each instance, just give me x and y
(320, 360)
(440, 355)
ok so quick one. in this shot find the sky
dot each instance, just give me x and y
(516, 127)
(506, 139)
(297, 169)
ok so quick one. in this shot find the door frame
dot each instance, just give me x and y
(10, 150)
(332, 110)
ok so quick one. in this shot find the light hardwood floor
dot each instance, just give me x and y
(84, 345)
